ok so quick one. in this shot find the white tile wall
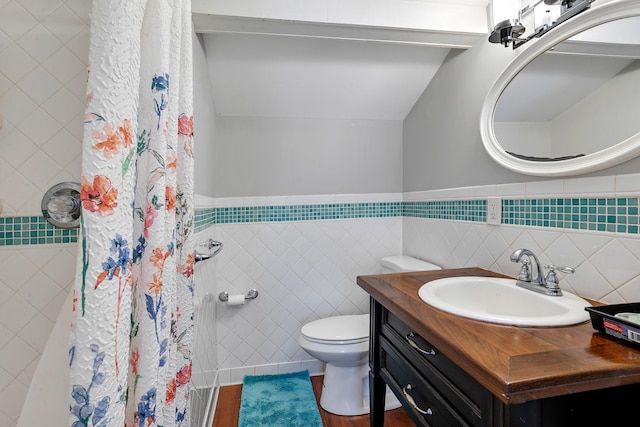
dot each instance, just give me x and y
(34, 282)
(204, 374)
(205, 358)
(607, 267)
(43, 55)
(304, 271)
(607, 264)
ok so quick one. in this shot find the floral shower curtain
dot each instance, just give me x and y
(130, 353)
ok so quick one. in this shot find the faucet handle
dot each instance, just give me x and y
(552, 277)
(563, 269)
(567, 270)
(525, 271)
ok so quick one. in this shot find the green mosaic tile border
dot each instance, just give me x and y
(287, 213)
(610, 214)
(607, 214)
(460, 210)
(454, 210)
(33, 230)
(204, 218)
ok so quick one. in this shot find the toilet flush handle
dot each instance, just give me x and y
(416, 347)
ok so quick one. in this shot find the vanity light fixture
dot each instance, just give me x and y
(507, 17)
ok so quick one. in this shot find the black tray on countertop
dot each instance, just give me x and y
(603, 319)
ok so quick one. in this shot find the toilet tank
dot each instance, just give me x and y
(400, 263)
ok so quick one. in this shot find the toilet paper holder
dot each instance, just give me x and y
(251, 294)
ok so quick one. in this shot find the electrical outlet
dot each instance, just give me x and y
(494, 210)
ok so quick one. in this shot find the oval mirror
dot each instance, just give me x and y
(569, 104)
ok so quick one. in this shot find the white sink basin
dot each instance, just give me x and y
(500, 301)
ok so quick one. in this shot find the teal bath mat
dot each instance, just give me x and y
(284, 400)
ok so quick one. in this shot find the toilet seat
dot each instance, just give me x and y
(338, 330)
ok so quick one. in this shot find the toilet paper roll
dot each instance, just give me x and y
(236, 299)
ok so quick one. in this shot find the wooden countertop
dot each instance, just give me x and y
(516, 364)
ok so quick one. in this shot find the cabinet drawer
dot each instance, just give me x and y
(471, 400)
(409, 384)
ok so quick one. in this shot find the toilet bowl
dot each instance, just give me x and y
(342, 342)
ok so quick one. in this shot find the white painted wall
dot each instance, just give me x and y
(286, 156)
(204, 121)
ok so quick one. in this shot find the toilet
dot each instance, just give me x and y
(342, 342)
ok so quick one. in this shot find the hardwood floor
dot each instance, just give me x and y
(229, 405)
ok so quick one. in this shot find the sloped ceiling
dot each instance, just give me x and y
(293, 68)
(275, 76)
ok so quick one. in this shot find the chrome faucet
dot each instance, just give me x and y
(548, 284)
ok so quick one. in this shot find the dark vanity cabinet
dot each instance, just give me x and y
(436, 392)
(433, 390)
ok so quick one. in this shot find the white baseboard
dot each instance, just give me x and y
(232, 376)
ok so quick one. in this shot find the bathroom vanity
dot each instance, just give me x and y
(452, 371)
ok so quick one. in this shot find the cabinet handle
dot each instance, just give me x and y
(416, 347)
(412, 402)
